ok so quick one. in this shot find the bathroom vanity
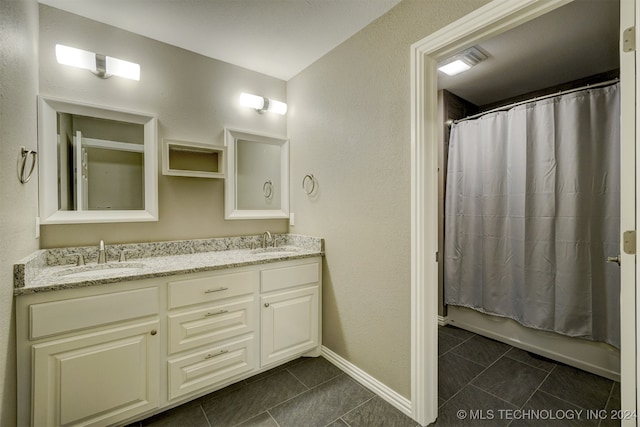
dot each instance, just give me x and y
(100, 347)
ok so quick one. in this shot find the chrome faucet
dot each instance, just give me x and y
(266, 236)
(102, 255)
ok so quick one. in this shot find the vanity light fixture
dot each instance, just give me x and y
(101, 65)
(462, 61)
(262, 104)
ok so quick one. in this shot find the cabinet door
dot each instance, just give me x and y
(97, 378)
(289, 324)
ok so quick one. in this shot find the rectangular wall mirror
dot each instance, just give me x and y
(97, 164)
(257, 184)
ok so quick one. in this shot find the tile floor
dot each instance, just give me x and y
(493, 383)
(509, 387)
(303, 393)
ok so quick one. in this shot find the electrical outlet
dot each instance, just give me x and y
(37, 227)
(292, 219)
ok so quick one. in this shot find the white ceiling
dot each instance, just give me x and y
(575, 41)
(279, 38)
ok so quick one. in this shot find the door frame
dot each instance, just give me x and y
(487, 21)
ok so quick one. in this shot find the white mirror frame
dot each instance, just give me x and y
(48, 163)
(231, 211)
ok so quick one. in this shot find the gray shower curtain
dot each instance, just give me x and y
(532, 210)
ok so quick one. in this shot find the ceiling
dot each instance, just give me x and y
(278, 38)
(575, 41)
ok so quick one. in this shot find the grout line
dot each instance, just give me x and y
(538, 388)
(472, 379)
(491, 394)
(205, 415)
(529, 364)
(457, 345)
(317, 385)
(357, 406)
(491, 364)
(565, 401)
(299, 394)
(297, 379)
(271, 416)
(452, 348)
(608, 400)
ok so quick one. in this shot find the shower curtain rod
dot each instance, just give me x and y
(551, 95)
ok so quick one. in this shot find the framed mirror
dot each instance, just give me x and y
(97, 164)
(257, 184)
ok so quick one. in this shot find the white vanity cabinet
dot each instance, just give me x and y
(211, 324)
(93, 358)
(290, 310)
(114, 353)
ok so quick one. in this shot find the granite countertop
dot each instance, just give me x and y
(46, 270)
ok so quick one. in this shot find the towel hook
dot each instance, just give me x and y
(23, 175)
(309, 184)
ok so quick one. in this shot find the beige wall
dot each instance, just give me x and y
(349, 125)
(19, 87)
(193, 97)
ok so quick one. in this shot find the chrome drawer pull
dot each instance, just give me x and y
(221, 352)
(216, 313)
(208, 291)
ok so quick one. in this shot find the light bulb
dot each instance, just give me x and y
(76, 57)
(251, 101)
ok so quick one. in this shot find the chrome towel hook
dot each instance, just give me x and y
(309, 184)
(23, 159)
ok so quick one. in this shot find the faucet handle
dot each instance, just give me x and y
(123, 254)
(80, 260)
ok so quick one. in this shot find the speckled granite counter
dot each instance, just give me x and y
(49, 269)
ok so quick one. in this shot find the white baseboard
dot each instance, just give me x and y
(398, 401)
(443, 321)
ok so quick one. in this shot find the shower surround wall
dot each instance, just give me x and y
(193, 97)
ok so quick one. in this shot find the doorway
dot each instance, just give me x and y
(487, 22)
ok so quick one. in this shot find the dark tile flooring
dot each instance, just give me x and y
(305, 392)
(481, 382)
(499, 385)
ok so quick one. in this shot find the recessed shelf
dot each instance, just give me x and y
(193, 159)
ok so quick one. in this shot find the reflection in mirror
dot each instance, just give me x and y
(100, 164)
(96, 164)
(257, 184)
(258, 175)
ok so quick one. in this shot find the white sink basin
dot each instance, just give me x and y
(282, 250)
(100, 270)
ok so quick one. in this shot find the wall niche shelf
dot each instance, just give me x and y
(192, 159)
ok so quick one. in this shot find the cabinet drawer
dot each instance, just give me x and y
(57, 317)
(286, 277)
(210, 288)
(210, 324)
(210, 366)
